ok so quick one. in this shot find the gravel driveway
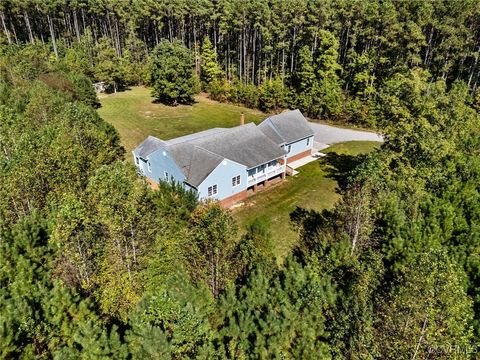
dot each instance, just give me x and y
(327, 135)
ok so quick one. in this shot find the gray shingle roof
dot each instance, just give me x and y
(271, 133)
(202, 164)
(148, 146)
(196, 163)
(290, 126)
(244, 144)
(195, 136)
(199, 154)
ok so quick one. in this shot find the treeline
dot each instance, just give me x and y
(334, 55)
(95, 264)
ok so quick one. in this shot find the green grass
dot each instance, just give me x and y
(315, 187)
(135, 116)
(352, 148)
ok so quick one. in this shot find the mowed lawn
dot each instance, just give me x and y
(314, 188)
(135, 116)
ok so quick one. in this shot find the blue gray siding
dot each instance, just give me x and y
(298, 147)
(160, 162)
(222, 177)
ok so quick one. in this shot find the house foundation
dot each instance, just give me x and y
(299, 156)
(229, 201)
(153, 185)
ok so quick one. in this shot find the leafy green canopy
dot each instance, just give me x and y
(94, 264)
(171, 73)
(403, 244)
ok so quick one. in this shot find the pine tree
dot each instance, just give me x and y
(107, 64)
(272, 95)
(213, 246)
(39, 316)
(427, 311)
(328, 89)
(275, 316)
(305, 80)
(210, 70)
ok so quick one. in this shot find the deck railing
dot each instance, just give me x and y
(268, 173)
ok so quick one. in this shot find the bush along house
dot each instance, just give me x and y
(224, 163)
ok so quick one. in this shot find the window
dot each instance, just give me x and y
(212, 190)
(166, 175)
(149, 166)
(289, 147)
(236, 181)
(137, 161)
(308, 141)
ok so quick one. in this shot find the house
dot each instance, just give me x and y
(290, 131)
(223, 163)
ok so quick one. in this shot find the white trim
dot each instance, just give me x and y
(300, 139)
(149, 166)
(194, 187)
(212, 190)
(236, 181)
(276, 159)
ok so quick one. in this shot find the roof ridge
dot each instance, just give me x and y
(275, 128)
(187, 175)
(206, 150)
(190, 140)
(196, 153)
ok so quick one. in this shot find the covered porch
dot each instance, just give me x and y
(265, 172)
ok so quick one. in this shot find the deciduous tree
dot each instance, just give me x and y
(171, 73)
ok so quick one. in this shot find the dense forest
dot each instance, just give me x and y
(327, 58)
(94, 264)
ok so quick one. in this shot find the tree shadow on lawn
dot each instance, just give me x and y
(121, 88)
(173, 103)
(340, 167)
(309, 222)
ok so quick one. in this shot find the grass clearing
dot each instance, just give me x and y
(352, 148)
(315, 187)
(135, 116)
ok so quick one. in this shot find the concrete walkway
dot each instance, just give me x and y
(326, 135)
(303, 161)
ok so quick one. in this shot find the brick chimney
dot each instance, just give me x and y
(242, 119)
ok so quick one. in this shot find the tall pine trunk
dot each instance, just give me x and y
(75, 24)
(253, 54)
(52, 35)
(29, 28)
(7, 33)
